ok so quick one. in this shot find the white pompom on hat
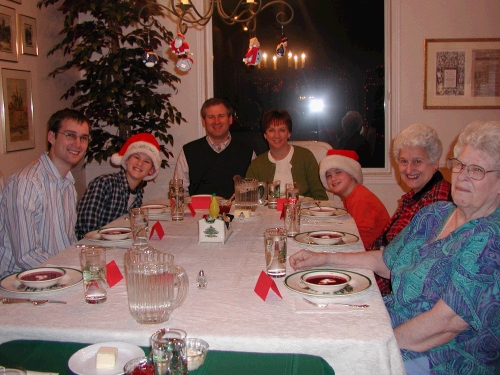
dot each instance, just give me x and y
(142, 142)
(345, 160)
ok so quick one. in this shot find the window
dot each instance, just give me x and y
(342, 70)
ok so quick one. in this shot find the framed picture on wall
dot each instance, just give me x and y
(8, 34)
(462, 73)
(27, 35)
(16, 110)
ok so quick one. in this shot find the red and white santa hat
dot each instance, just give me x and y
(345, 160)
(142, 142)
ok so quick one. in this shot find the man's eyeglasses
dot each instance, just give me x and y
(73, 137)
(473, 171)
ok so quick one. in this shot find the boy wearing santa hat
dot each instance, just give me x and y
(112, 195)
(341, 173)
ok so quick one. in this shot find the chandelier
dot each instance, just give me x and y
(245, 12)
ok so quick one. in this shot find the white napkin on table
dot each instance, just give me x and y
(302, 307)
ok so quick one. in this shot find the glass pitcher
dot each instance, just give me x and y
(247, 194)
(155, 285)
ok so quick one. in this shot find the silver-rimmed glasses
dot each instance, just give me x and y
(73, 136)
(473, 171)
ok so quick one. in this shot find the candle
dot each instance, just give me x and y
(303, 56)
(250, 1)
(264, 55)
(274, 62)
(296, 59)
(185, 2)
(290, 59)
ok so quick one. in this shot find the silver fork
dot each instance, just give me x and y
(337, 304)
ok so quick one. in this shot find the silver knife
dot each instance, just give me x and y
(33, 301)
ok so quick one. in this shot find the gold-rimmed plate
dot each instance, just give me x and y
(71, 278)
(304, 239)
(358, 283)
(337, 213)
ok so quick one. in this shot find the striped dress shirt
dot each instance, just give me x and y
(37, 216)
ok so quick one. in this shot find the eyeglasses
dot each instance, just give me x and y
(473, 171)
(414, 163)
(73, 137)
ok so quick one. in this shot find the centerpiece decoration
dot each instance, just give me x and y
(215, 227)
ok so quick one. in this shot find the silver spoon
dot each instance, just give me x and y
(337, 304)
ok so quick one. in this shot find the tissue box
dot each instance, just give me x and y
(217, 231)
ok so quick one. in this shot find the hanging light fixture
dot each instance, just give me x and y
(245, 12)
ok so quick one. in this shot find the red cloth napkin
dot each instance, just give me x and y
(202, 203)
(283, 212)
(157, 232)
(264, 283)
(191, 209)
(280, 204)
(113, 274)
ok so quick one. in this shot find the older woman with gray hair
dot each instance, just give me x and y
(445, 267)
(417, 150)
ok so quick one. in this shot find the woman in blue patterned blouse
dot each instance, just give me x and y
(445, 267)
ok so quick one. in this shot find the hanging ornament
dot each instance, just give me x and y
(281, 48)
(181, 48)
(149, 58)
(253, 55)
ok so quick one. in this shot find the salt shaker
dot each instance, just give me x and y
(201, 280)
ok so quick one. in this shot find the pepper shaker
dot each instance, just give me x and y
(201, 280)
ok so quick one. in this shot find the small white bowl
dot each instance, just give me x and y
(323, 211)
(42, 277)
(115, 233)
(156, 209)
(196, 351)
(325, 281)
(326, 237)
(138, 365)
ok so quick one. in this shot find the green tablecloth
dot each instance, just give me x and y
(53, 356)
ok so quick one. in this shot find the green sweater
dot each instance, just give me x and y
(305, 172)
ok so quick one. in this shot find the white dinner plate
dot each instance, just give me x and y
(304, 212)
(71, 278)
(348, 239)
(94, 236)
(357, 284)
(83, 361)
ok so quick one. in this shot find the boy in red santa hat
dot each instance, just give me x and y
(112, 195)
(341, 173)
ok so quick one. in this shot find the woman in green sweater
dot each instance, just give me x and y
(285, 162)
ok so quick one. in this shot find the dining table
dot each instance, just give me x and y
(227, 313)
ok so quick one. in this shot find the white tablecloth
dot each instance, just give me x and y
(227, 314)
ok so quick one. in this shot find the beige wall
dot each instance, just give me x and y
(411, 22)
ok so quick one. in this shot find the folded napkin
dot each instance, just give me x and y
(157, 232)
(280, 204)
(264, 284)
(202, 203)
(302, 307)
(113, 274)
